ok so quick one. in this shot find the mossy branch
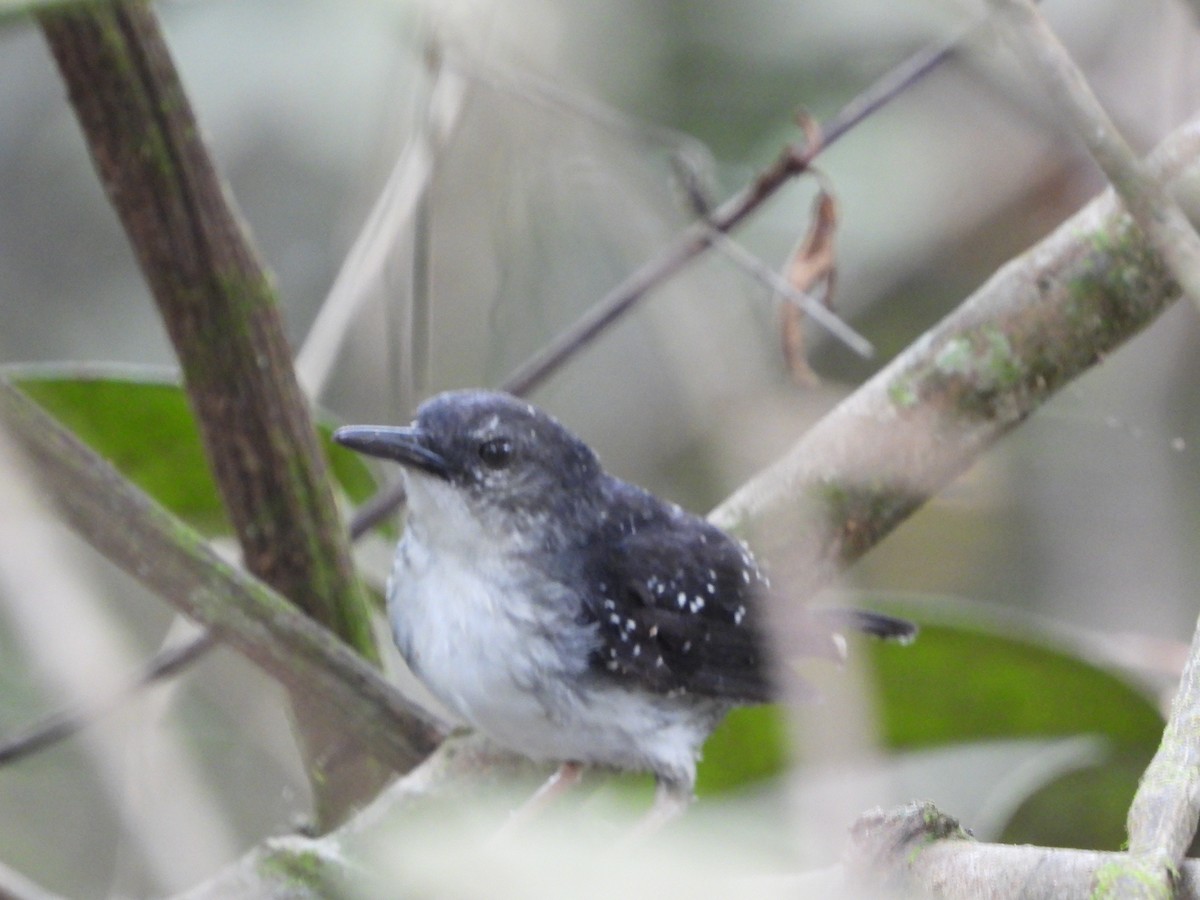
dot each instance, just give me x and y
(1042, 320)
(219, 307)
(176, 562)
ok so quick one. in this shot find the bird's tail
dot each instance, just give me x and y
(880, 625)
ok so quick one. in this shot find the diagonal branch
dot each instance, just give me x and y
(217, 303)
(1040, 321)
(697, 239)
(64, 723)
(171, 559)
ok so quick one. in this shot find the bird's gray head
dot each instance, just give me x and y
(493, 452)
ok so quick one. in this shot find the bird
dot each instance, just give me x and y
(568, 615)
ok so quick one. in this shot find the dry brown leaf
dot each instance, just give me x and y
(811, 270)
(814, 138)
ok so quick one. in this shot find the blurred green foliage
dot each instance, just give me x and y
(139, 420)
(973, 675)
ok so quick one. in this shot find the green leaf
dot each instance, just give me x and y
(751, 745)
(140, 421)
(972, 674)
(1085, 808)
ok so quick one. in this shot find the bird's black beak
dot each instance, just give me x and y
(405, 445)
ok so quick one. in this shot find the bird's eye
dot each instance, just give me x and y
(496, 453)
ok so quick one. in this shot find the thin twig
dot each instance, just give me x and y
(762, 273)
(698, 238)
(65, 723)
(892, 84)
(813, 308)
(377, 509)
(1149, 203)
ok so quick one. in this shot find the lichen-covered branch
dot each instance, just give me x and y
(1043, 319)
(219, 307)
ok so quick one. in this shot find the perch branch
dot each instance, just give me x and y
(918, 849)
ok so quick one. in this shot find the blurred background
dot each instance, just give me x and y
(555, 123)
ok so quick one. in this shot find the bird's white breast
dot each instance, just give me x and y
(464, 624)
(470, 630)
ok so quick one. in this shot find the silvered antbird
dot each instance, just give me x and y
(566, 614)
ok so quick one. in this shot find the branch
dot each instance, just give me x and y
(297, 867)
(171, 559)
(1163, 815)
(1166, 227)
(697, 239)
(918, 849)
(1040, 321)
(219, 308)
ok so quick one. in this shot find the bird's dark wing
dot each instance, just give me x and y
(678, 609)
(678, 606)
